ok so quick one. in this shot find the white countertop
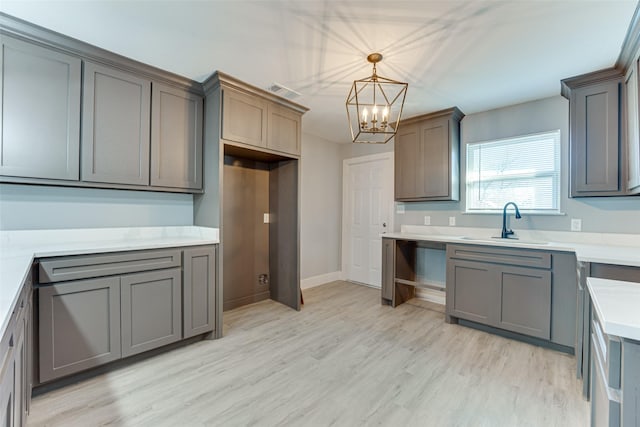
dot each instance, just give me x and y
(616, 304)
(606, 248)
(19, 248)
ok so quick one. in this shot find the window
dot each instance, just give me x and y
(523, 169)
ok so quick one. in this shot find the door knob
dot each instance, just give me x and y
(384, 224)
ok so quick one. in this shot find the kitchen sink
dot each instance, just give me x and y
(510, 241)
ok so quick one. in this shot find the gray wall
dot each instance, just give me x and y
(615, 215)
(321, 210)
(41, 207)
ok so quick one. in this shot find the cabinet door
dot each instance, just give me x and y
(7, 396)
(388, 269)
(176, 138)
(595, 140)
(115, 126)
(434, 164)
(244, 118)
(199, 286)
(472, 292)
(406, 147)
(39, 112)
(151, 310)
(79, 326)
(632, 128)
(20, 365)
(284, 130)
(525, 296)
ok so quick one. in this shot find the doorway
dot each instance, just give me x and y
(367, 212)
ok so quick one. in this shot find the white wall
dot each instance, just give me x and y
(321, 210)
(598, 214)
(42, 207)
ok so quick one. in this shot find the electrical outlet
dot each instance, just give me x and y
(265, 218)
(399, 208)
(576, 224)
(452, 220)
(427, 220)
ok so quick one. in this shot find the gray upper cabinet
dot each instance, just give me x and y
(595, 138)
(39, 111)
(253, 118)
(244, 118)
(284, 130)
(199, 283)
(427, 157)
(632, 128)
(176, 138)
(115, 126)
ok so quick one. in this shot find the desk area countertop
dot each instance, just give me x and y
(605, 248)
(616, 304)
(19, 248)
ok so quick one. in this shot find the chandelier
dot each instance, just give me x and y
(374, 106)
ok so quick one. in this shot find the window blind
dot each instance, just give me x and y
(523, 169)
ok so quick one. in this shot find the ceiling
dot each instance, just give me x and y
(474, 54)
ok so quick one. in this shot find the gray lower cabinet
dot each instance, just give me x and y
(15, 368)
(513, 289)
(614, 379)
(595, 139)
(79, 326)
(176, 138)
(199, 298)
(388, 267)
(116, 117)
(150, 309)
(39, 112)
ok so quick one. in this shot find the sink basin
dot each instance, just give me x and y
(504, 241)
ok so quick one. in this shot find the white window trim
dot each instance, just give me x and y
(558, 166)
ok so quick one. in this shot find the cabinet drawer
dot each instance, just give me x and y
(82, 267)
(518, 257)
(609, 350)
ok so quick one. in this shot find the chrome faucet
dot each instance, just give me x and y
(508, 232)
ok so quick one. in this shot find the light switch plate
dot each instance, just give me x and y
(452, 220)
(427, 220)
(399, 208)
(265, 218)
(576, 224)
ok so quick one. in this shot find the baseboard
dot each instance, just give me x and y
(321, 279)
(431, 295)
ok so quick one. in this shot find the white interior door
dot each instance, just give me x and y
(368, 212)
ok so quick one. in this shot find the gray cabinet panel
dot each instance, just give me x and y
(517, 257)
(199, 283)
(427, 157)
(151, 310)
(79, 326)
(20, 372)
(244, 118)
(631, 384)
(595, 140)
(435, 166)
(39, 112)
(605, 409)
(7, 396)
(176, 138)
(284, 130)
(632, 128)
(115, 126)
(60, 269)
(472, 291)
(406, 148)
(525, 294)
(388, 274)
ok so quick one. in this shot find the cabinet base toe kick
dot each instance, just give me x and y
(512, 335)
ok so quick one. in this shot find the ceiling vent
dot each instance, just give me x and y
(283, 91)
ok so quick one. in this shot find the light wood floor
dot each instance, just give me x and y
(344, 360)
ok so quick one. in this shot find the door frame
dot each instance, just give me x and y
(346, 210)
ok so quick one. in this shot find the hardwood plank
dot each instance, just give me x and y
(343, 360)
